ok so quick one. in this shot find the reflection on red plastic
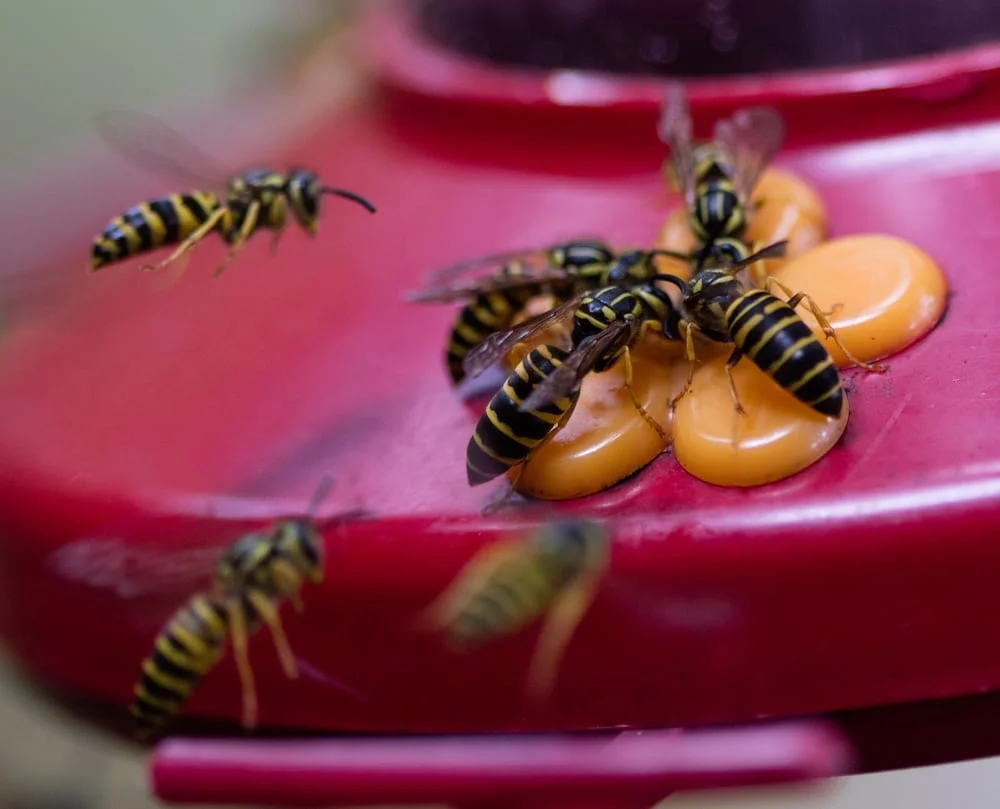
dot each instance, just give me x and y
(627, 769)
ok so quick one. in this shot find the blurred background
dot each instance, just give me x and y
(60, 63)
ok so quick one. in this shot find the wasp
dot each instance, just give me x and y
(253, 577)
(553, 570)
(716, 178)
(494, 301)
(540, 394)
(764, 328)
(259, 199)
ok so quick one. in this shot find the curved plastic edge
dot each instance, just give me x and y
(633, 768)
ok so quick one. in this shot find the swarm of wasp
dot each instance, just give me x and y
(255, 574)
(259, 199)
(553, 570)
(716, 178)
(493, 302)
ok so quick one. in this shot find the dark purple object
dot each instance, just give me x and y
(704, 37)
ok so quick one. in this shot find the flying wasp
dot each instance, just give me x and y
(716, 178)
(764, 328)
(493, 302)
(259, 199)
(255, 574)
(540, 394)
(553, 570)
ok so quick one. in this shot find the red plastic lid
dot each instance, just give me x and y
(144, 429)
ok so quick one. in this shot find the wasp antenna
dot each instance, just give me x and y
(340, 192)
(771, 251)
(322, 492)
(671, 279)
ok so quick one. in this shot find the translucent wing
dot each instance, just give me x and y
(150, 143)
(577, 365)
(473, 288)
(675, 130)
(496, 345)
(493, 262)
(751, 137)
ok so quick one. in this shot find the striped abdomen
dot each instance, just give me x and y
(769, 331)
(479, 318)
(717, 211)
(516, 593)
(154, 224)
(505, 436)
(187, 648)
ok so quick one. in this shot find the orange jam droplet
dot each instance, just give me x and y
(890, 293)
(783, 207)
(778, 436)
(605, 439)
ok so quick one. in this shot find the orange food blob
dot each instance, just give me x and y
(890, 293)
(605, 439)
(785, 207)
(777, 437)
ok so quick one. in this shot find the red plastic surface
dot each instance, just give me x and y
(632, 769)
(143, 429)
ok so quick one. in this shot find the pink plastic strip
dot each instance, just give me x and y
(628, 769)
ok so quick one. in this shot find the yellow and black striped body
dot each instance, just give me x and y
(273, 562)
(486, 314)
(267, 565)
(586, 265)
(524, 585)
(188, 647)
(718, 211)
(600, 309)
(269, 189)
(505, 436)
(158, 223)
(769, 332)
(266, 196)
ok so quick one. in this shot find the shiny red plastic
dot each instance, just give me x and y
(143, 429)
(633, 769)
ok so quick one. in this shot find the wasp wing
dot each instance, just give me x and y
(568, 376)
(498, 344)
(481, 286)
(150, 143)
(751, 137)
(675, 130)
(493, 262)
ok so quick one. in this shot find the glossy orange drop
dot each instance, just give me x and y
(890, 292)
(777, 437)
(605, 439)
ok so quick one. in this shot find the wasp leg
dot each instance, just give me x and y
(238, 632)
(734, 358)
(268, 612)
(459, 593)
(564, 616)
(635, 401)
(828, 330)
(689, 353)
(275, 239)
(203, 230)
(249, 221)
